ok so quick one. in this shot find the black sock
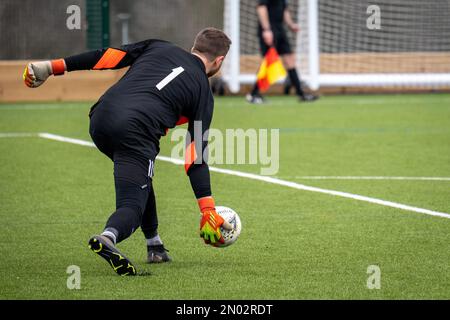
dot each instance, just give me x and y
(149, 224)
(296, 82)
(255, 91)
(131, 198)
(150, 233)
(125, 220)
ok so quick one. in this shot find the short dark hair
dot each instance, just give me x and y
(211, 43)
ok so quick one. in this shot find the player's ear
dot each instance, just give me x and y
(219, 60)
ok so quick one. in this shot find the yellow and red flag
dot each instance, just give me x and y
(271, 70)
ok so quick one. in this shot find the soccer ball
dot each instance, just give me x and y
(230, 236)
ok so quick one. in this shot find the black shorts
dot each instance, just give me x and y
(133, 153)
(280, 39)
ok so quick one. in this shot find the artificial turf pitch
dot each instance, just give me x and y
(295, 244)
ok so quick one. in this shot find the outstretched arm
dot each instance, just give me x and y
(36, 73)
(198, 171)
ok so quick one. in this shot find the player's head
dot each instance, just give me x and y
(213, 44)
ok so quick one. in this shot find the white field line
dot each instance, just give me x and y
(368, 178)
(273, 181)
(65, 139)
(17, 134)
(37, 107)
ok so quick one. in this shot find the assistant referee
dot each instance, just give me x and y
(272, 14)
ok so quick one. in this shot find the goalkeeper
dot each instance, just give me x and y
(271, 33)
(164, 86)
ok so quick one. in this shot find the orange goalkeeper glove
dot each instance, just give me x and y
(211, 222)
(36, 73)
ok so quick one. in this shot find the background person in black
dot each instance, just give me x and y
(164, 86)
(271, 16)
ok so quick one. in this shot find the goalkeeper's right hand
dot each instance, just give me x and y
(36, 73)
(211, 222)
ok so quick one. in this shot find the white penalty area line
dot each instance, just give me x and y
(272, 180)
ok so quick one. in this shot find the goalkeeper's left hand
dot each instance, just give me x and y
(211, 222)
(36, 73)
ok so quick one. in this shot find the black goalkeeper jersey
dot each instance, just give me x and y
(164, 86)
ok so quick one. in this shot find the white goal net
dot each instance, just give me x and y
(351, 43)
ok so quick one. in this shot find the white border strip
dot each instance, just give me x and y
(17, 134)
(369, 178)
(273, 180)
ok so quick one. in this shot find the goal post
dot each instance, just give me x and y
(350, 43)
(313, 74)
(232, 28)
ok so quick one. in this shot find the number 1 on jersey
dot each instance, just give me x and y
(175, 72)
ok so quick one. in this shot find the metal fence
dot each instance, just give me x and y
(31, 29)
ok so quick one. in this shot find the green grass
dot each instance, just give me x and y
(294, 245)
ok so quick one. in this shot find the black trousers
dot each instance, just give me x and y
(133, 173)
(280, 41)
